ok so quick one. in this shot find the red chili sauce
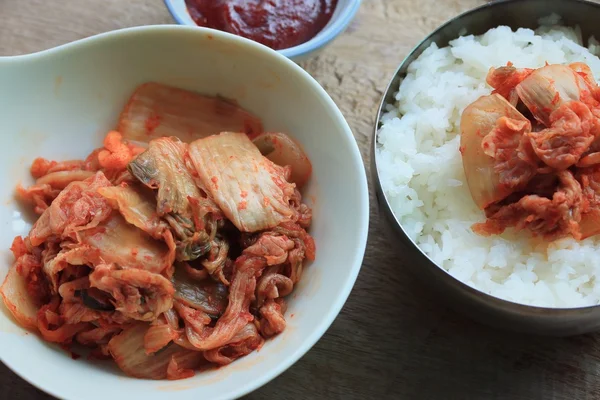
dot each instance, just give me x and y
(279, 24)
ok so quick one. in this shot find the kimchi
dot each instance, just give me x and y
(173, 246)
(531, 151)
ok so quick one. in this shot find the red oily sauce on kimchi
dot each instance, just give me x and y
(173, 246)
(531, 151)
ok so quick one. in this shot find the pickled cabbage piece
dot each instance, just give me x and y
(127, 348)
(127, 246)
(75, 254)
(17, 300)
(61, 179)
(137, 207)
(561, 97)
(487, 182)
(283, 150)
(252, 191)
(590, 224)
(244, 342)
(549, 87)
(162, 167)
(505, 79)
(155, 110)
(137, 294)
(158, 336)
(207, 296)
(78, 207)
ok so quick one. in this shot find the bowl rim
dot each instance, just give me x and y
(383, 198)
(329, 33)
(362, 215)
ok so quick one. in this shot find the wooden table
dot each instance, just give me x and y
(393, 339)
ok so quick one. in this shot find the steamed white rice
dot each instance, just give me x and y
(422, 175)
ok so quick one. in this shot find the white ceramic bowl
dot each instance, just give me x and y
(343, 14)
(59, 103)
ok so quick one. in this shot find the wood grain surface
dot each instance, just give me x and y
(393, 339)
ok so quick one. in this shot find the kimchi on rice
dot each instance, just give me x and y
(170, 248)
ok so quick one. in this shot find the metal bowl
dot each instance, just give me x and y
(480, 306)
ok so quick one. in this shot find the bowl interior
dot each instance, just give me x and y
(59, 104)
